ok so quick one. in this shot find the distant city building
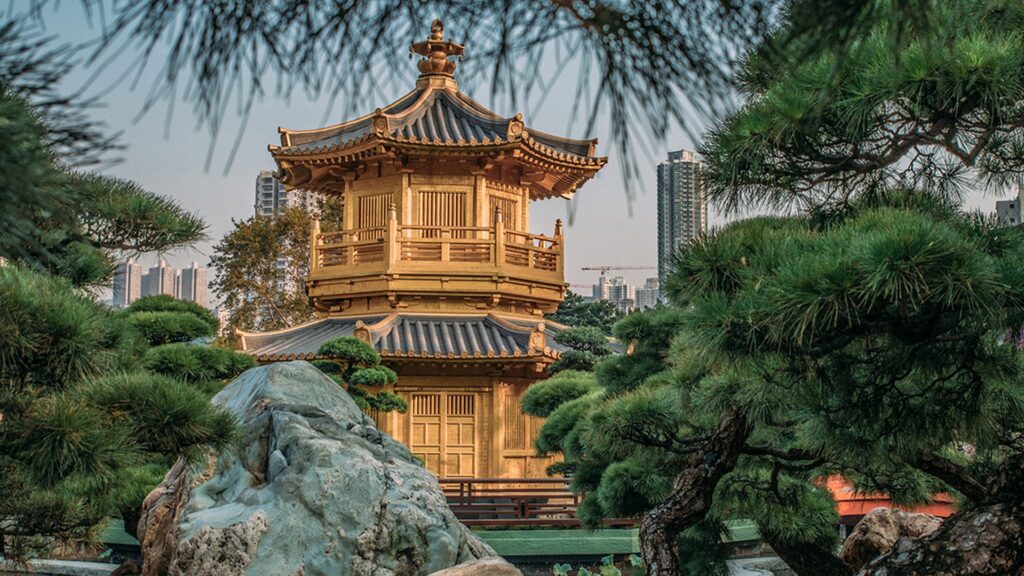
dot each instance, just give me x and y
(161, 279)
(682, 206)
(193, 284)
(602, 290)
(127, 283)
(617, 291)
(649, 295)
(272, 196)
(1009, 211)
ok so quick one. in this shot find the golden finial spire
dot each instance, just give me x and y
(436, 50)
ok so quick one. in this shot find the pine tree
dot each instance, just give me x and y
(85, 430)
(867, 336)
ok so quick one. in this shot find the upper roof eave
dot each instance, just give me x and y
(407, 144)
(395, 122)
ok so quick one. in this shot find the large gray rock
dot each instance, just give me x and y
(492, 566)
(882, 530)
(313, 488)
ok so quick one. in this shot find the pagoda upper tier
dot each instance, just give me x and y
(436, 191)
(436, 119)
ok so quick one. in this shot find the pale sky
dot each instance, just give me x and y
(168, 155)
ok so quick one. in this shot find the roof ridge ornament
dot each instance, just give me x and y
(436, 51)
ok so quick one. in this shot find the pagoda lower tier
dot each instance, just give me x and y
(463, 376)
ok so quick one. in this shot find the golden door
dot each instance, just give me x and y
(443, 432)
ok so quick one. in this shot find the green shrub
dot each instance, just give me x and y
(387, 402)
(327, 366)
(351, 350)
(165, 303)
(197, 363)
(586, 339)
(579, 360)
(544, 397)
(373, 376)
(49, 333)
(561, 422)
(166, 327)
(165, 415)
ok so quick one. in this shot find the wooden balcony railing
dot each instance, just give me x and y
(400, 248)
(515, 502)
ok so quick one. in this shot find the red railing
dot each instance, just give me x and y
(515, 502)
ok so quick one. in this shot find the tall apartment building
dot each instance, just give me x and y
(649, 295)
(127, 283)
(193, 284)
(271, 198)
(271, 195)
(615, 290)
(682, 206)
(1008, 212)
(161, 279)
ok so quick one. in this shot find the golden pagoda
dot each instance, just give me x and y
(435, 264)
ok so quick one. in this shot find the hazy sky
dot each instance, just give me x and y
(168, 155)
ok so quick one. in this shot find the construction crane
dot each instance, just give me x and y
(604, 269)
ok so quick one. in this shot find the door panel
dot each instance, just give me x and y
(460, 443)
(443, 432)
(425, 432)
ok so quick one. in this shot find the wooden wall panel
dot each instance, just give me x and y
(436, 208)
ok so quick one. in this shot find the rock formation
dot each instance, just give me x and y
(493, 566)
(312, 488)
(881, 530)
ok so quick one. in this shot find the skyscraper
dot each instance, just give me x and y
(271, 195)
(127, 283)
(193, 284)
(161, 279)
(682, 206)
(649, 295)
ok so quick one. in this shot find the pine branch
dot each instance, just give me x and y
(953, 474)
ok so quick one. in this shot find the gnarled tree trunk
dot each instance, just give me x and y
(986, 539)
(691, 494)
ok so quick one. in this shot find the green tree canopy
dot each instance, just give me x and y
(575, 311)
(84, 432)
(261, 266)
(867, 335)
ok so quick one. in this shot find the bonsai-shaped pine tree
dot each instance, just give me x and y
(355, 365)
(864, 335)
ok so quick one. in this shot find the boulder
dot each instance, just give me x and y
(312, 487)
(882, 530)
(493, 566)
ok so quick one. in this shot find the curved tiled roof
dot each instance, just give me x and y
(398, 335)
(432, 115)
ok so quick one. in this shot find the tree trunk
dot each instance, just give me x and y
(691, 495)
(808, 559)
(986, 539)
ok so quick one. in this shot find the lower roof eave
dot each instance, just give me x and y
(544, 357)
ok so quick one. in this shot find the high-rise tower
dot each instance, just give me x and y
(682, 206)
(127, 283)
(161, 279)
(272, 196)
(193, 284)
